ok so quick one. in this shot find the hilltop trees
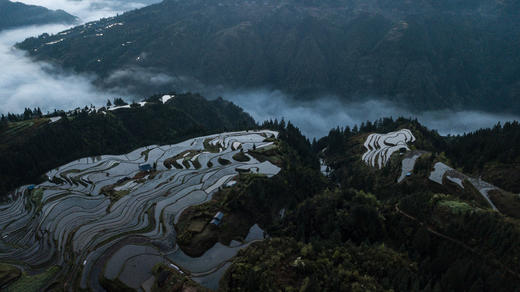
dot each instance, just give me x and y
(28, 114)
(85, 133)
(119, 102)
(493, 153)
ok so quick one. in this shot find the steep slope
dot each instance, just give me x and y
(15, 14)
(284, 226)
(105, 214)
(426, 54)
(369, 232)
(31, 147)
(490, 153)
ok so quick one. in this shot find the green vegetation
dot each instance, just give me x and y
(36, 196)
(16, 14)
(506, 202)
(254, 199)
(272, 155)
(223, 161)
(282, 264)
(186, 156)
(8, 274)
(492, 153)
(196, 163)
(355, 230)
(30, 283)
(363, 231)
(168, 279)
(456, 207)
(116, 195)
(210, 147)
(32, 150)
(115, 285)
(241, 157)
(398, 49)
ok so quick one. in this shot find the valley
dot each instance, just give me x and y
(425, 56)
(197, 146)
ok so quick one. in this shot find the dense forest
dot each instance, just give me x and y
(493, 153)
(31, 144)
(360, 231)
(354, 229)
(424, 54)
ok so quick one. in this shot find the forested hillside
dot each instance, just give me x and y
(362, 231)
(425, 54)
(29, 148)
(365, 232)
(492, 153)
(352, 227)
(15, 14)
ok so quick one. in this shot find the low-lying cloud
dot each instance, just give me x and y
(25, 83)
(315, 118)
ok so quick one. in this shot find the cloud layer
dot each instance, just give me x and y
(29, 84)
(24, 83)
(315, 118)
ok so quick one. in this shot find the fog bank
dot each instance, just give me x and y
(24, 83)
(315, 118)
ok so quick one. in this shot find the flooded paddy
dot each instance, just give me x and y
(104, 217)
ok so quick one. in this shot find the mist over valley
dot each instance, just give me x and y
(275, 145)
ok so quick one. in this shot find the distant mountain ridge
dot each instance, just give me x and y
(15, 14)
(425, 54)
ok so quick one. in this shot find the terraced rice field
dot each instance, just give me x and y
(442, 171)
(408, 164)
(381, 146)
(102, 218)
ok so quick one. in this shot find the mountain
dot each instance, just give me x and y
(29, 147)
(251, 211)
(423, 54)
(15, 14)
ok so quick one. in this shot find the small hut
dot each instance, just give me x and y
(217, 219)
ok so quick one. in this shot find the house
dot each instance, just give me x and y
(145, 167)
(231, 183)
(217, 219)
